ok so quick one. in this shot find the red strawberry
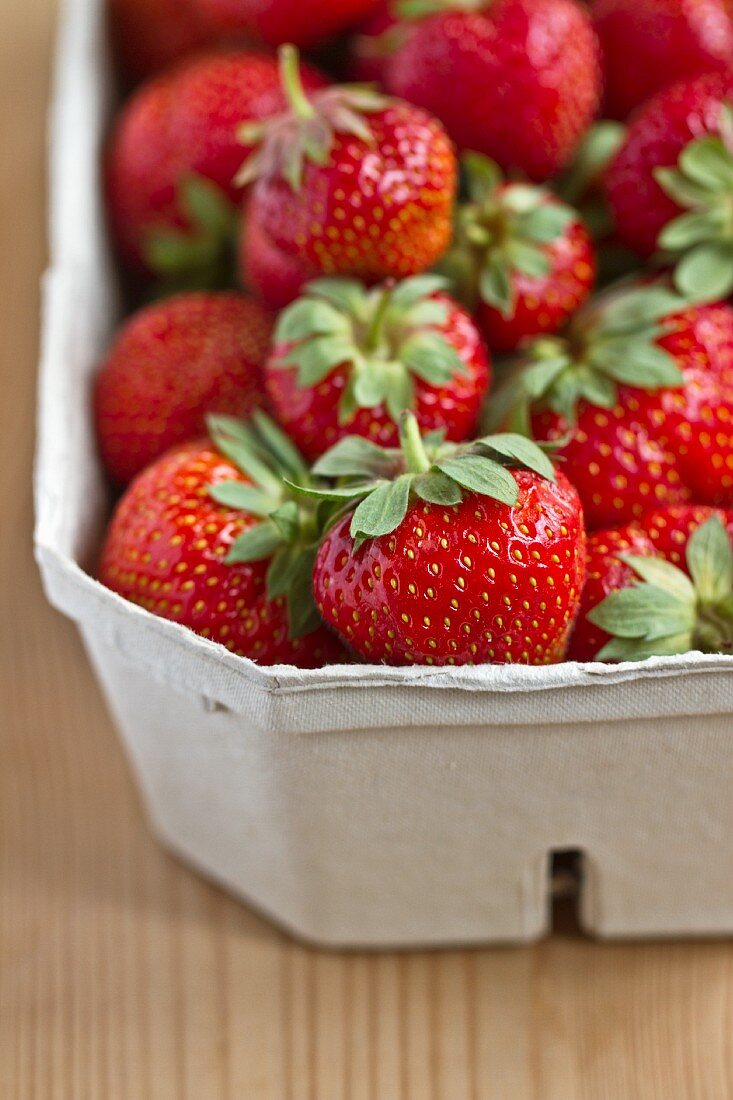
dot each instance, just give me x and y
(521, 258)
(670, 528)
(348, 361)
(170, 365)
(664, 610)
(172, 159)
(678, 156)
(149, 35)
(451, 558)
(191, 541)
(303, 22)
(339, 193)
(649, 44)
(644, 385)
(517, 80)
(606, 572)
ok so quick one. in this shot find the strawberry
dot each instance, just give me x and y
(606, 572)
(454, 554)
(278, 21)
(347, 183)
(517, 80)
(639, 394)
(171, 364)
(172, 158)
(670, 528)
(668, 40)
(149, 35)
(209, 537)
(666, 610)
(348, 361)
(521, 258)
(669, 186)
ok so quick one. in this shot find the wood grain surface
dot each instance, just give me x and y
(125, 977)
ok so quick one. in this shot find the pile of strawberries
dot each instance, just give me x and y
(434, 368)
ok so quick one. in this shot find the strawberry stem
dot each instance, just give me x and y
(375, 328)
(413, 448)
(292, 84)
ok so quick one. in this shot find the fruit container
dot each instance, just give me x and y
(367, 806)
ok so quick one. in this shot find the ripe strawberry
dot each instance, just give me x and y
(278, 21)
(226, 553)
(521, 258)
(673, 610)
(348, 361)
(643, 384)
(149, 35)
(517, 80)
(670, 528)
(171, 364)
(669, 186)
(340, 194)
(606, 572)
(172, 159)
(451, 557)
(666, 41)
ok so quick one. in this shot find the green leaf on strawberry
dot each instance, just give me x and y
(382, 481)
(669, 612)
(292, 521)
(599, 146)
(503, 230)
(611, 342)
(701, 239)
(420, 9)
(385, 337)
(232, 494)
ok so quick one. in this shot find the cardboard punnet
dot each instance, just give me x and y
(367, 806)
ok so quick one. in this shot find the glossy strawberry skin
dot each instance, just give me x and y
(497, 91)
(669, 529)
(310, 415)
(279, 21)
(150, 35)
(606, 573)
(375, 211)
(165, 551)
(476, 583)
(658, 447)
(171, 364)
(669, 40)
(657, 135)
(181, 123)
(543, 304)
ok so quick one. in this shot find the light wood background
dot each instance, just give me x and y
(124, 977)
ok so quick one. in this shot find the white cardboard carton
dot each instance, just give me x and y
(369, 806)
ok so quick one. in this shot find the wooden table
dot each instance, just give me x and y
(125, 977)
